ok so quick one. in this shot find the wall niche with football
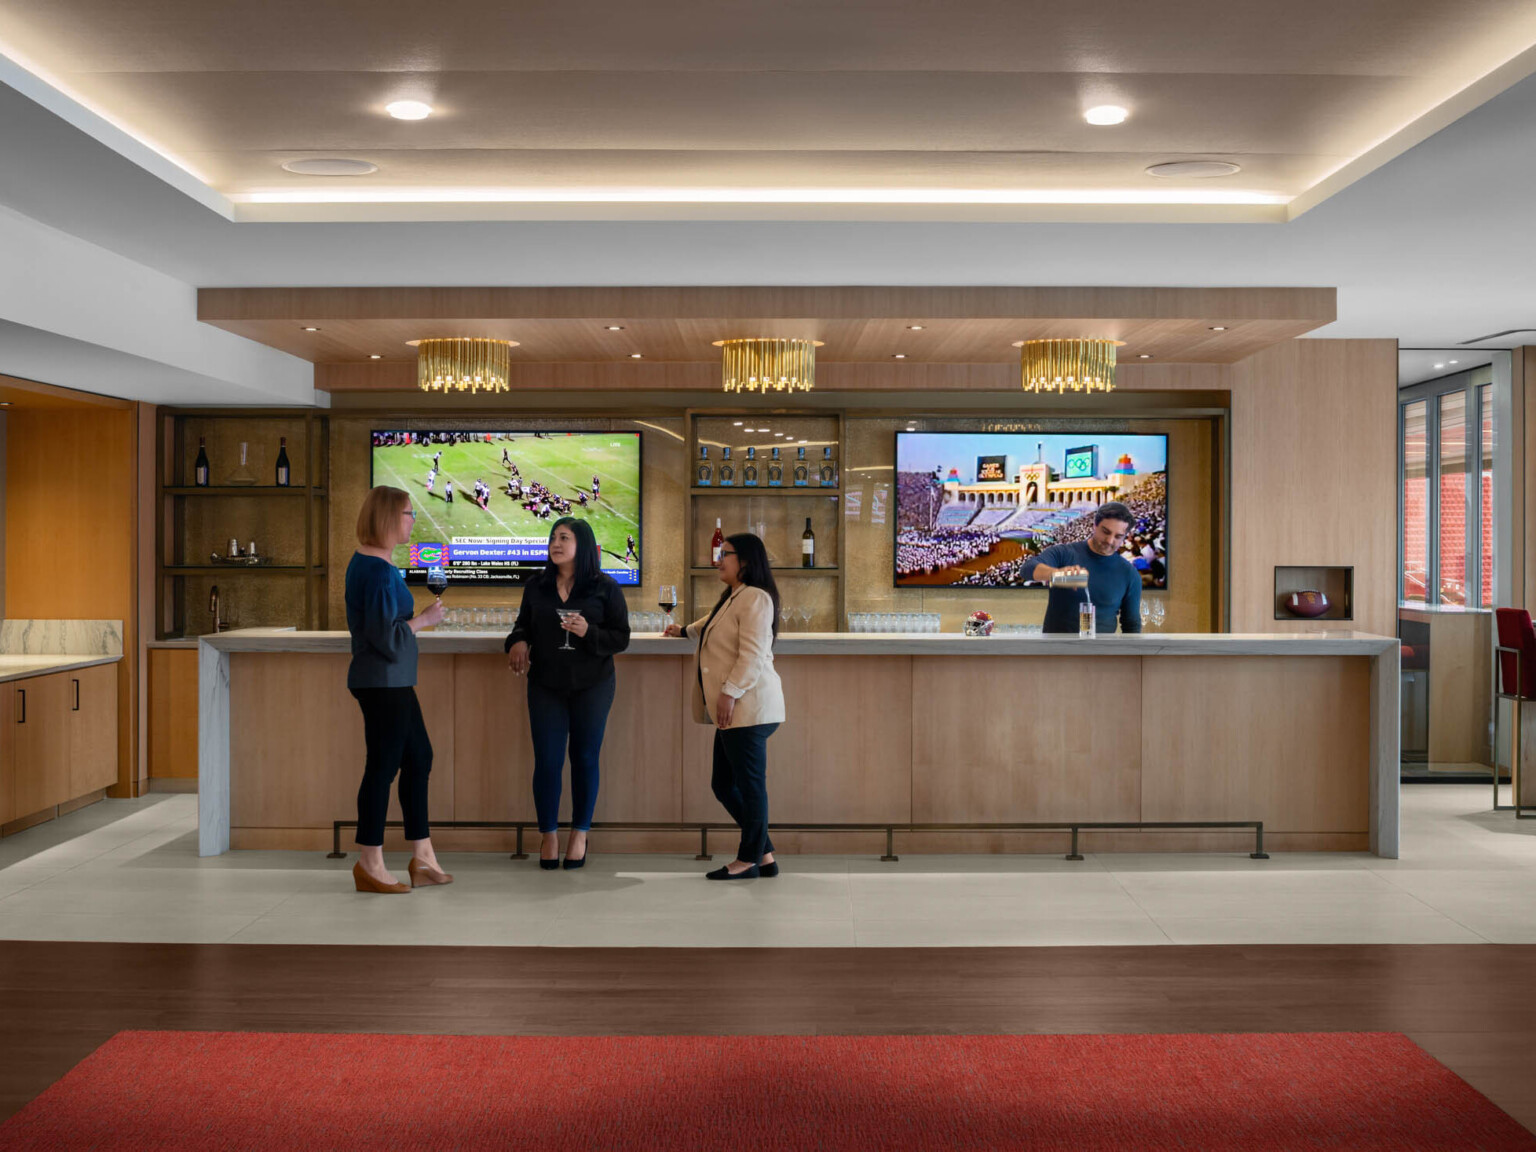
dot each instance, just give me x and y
(1314, 592)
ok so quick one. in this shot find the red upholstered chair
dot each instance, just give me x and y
(1516, 652)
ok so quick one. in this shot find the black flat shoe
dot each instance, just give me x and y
(572, 864)
(768, 870)
(549, 865)
(751, 873)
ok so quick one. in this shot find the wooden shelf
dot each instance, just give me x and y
(242, 490)
(240, 569)
(822, 570)
(736, 490)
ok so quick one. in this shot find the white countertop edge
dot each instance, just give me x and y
(20, 667)
(856, 644)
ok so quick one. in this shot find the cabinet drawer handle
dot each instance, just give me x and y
(21, 705)
(76, 708)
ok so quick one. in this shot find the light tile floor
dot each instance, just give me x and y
(129, 870)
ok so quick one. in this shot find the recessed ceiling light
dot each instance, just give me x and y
(408, 110)
(614, 327)
(1453, 361)
(331, 166)
(1198, 169)
(899, 356)
(738, 423)
(805, 441)
(778, 433)
(1439, 365)
(1106, 114)
(635, 355)
(1144, 356)
(914, 327)
(307, 328)
(1218, 327)
(374, 356)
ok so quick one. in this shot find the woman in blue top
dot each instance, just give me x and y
(382, 619)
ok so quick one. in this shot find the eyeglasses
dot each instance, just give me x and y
(724, 553)
(411, 512)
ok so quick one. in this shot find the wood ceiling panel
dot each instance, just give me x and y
(857, 325)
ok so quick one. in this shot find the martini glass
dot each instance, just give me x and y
(567, 614)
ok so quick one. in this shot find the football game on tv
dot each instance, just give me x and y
(485, 501)
(974, 509)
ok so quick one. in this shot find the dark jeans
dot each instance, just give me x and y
(740, 783)
(396, 737)
(557, 716)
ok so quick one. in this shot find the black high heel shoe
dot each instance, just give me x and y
(725, 873)
(549, 865)
(570, 864)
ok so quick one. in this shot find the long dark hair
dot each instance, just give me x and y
(756, 572)
(588, 569)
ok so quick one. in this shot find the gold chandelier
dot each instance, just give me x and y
(761, 365)
(1067, 365)
(464, 362)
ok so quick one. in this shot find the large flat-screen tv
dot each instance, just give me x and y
(972, 508)
(485, 501)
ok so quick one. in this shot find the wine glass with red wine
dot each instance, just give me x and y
(437, 581)
(666, 600)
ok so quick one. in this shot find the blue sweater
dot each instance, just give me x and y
(1114, 586)
(379, 611)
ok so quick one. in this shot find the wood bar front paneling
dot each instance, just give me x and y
(897, 738)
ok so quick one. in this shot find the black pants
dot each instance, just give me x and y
(740, 783)
(396, 736)
(557, 719)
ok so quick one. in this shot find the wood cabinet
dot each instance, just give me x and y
(40, 748)
(58, 739)
(92, 728)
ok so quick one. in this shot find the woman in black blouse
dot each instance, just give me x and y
(569, 689)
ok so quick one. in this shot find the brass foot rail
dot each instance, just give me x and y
(890, 831)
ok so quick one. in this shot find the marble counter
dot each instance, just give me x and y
(877, 644)
(21, 667)
(61, 637)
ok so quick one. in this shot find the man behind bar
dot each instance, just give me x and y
(1114, 584)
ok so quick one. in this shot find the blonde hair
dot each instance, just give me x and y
(380, 512)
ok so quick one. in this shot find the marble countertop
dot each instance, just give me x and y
(881, 644)
(20, 667)
(186, 642)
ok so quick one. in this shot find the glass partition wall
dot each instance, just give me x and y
(1445, 528)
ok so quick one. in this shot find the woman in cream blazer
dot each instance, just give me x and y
(737, 690)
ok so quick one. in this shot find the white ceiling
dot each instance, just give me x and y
(1432, 248)
(741, 101)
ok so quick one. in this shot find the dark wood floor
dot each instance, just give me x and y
(1467, 1005)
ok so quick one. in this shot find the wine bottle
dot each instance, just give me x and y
(775, 471)
(714, 545)
(727, 469)
(749, 470)
(282, 462)
(828, 472)
(802, 469)
(807, 546)
(200, 468)
(706, 473)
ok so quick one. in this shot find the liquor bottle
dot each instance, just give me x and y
(749, 470)
(775, 471)
(714, 545)
(727, 469)
(282, 462)
(200, 469)
(706, 473)
(828, 469)
(802, 469)
(807, 546)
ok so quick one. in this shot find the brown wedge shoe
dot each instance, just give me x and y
(366, 883)
(422, 875)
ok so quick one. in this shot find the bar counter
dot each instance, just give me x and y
(1297, 730)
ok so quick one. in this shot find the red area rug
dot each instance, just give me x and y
(230, 1090)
